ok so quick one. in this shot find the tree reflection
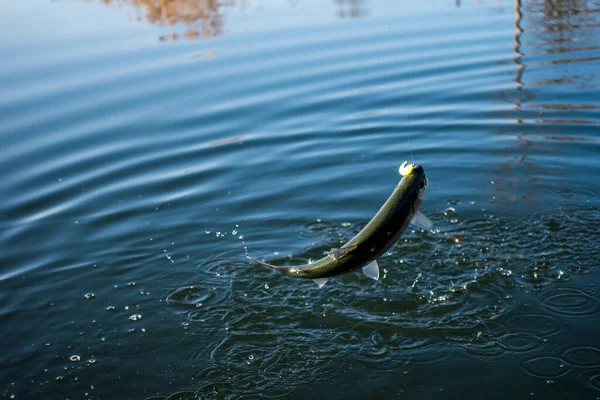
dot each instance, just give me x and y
(202, 17)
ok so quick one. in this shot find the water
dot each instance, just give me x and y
(145, 151)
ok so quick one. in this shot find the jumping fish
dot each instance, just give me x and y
(381, 233)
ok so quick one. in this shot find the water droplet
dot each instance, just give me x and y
(251, 357)
(136, 317)
(266, 285)
(75, 358)
(234, 232)
(91, 361)
(131, 283)
(89, 295)
(207, 232)
(450, 211)
(60, 378)
(110, 308)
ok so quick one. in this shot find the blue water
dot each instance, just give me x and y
(144, 151)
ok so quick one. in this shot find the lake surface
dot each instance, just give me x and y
(146, 149)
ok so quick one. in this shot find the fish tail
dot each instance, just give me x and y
(275, 267)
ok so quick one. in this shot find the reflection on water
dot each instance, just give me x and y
(547, 45)
(351, 8)
(206, 18)
(202, 17)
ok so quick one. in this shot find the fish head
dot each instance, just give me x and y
(415, 181)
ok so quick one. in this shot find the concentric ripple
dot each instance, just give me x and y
(582, 356)
(546, 367)
(571, 302)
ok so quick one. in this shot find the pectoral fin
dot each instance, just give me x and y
(320, 282)
(372, 270)
(421, 221)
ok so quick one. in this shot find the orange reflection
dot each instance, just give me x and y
(202, 17)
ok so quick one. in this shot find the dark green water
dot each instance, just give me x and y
(140, 160)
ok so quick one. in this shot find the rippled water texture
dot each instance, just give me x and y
(147, 147)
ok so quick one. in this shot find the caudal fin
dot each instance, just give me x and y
(275, 267)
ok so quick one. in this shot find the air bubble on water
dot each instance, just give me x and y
(234, 232)
(144, 330)
(454, 220)
(89, 295)
(136, 317)
(266, 285)
(207, 232)
(198, 305)
(110, 308)
(75, 358)
(241, 237)
(126, 307)
(60, 378)
(91, 361)
(131, 330)
(218, 234)
(131, 283)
